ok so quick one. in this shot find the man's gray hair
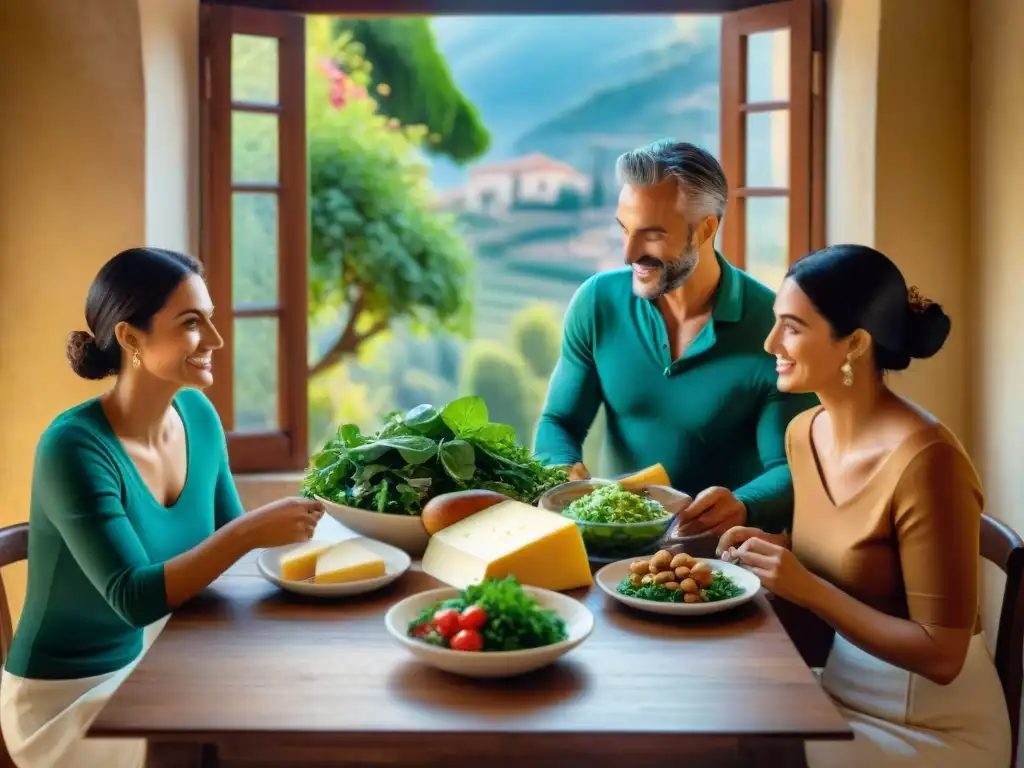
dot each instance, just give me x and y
(703, 189)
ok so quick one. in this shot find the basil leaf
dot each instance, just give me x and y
(458, 459)
(414, 449)
(465, 415)
(424, 419)
(497, 435)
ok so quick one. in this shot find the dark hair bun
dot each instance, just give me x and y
(927, 330)
(87, 359)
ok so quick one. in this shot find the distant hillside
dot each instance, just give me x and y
(678, 99)
(522, 72)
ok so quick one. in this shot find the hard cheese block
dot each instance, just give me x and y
(348, 561)
(540, 548)
(653, 475)
(300, 563)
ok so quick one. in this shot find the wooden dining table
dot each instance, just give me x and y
(249, 675)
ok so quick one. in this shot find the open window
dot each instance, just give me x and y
(254, 225)
(771, 134)
(758, 103)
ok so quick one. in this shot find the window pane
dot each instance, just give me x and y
(255, 374)
(254, 69)
(768, 66)
(253, 147)
(767, 254)
(768, 149)
(253, 248)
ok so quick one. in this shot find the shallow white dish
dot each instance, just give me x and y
(579, 623)
(608, 579)
(396, 562)
(403, 531)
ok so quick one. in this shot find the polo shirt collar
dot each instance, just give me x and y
(729, 295)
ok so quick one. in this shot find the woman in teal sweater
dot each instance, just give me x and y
(133, 510)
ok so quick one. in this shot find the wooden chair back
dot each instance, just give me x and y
(13, 549)
(1001, 545)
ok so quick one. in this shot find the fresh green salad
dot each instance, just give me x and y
(424, 453)
(495, 615)
(613, 504)
(617, 523)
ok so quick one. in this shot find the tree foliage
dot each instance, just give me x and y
(419, 88)
(499, 376)
(378, 248)
(537, 334)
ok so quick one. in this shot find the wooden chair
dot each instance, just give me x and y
(1000, 545)
(13, 549)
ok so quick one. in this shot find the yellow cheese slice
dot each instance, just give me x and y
(300, 563)
(653, 475)
(540, 548)
(346, 561)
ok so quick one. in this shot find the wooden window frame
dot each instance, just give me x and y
(286, 447)
(806, 106)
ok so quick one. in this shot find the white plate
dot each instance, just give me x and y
(608, 579)
(403, 531)
(579, 623)
(396, 562)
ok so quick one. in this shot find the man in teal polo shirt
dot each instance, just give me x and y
(673, 347)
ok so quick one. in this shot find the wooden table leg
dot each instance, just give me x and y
(165, 754)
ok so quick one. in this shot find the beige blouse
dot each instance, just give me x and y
(907, 543)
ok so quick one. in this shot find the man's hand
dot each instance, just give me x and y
(714, 510)
(578, 472)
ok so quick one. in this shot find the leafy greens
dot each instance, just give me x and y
(515, 620)
(423, 453)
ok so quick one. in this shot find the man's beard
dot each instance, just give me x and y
(672, 274)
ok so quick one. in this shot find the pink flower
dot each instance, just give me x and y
(337, 95)
(330, 69)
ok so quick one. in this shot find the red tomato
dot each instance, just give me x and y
(421, 630)
(446, 622)
(467, 640)
(473, 617)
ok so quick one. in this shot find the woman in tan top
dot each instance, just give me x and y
(886, 525)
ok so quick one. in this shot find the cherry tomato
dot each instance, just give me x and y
(446, 622)
(473, 617)
(421, 630)
(467, 640)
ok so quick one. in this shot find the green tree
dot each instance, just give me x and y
(378, 248)
(414, 85)
(537, 335)
(500, 377)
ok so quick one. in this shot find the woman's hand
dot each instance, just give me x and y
(738, 534)
(285, 521)
(777, 568)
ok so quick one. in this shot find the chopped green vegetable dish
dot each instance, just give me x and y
(613, 504)
(495, 615)
(424, 453)
(721, 588)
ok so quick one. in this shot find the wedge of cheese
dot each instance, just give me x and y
(300, 563)
(346, 561)
(653, 475)
(540, 548)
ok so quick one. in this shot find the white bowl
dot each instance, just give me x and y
(403, 531)
(578, 619)
(609, 577)
(396, 562)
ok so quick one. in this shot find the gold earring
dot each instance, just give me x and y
(847, 370)
(135, 359)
